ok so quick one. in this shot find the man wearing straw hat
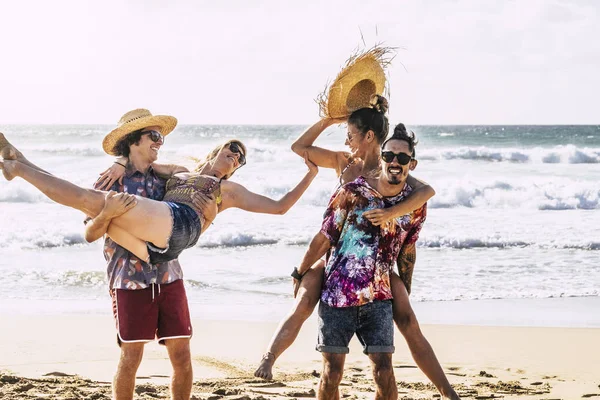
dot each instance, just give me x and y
(149, 301)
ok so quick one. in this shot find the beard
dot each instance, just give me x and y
(394, 180)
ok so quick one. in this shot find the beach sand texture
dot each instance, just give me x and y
(74, 357)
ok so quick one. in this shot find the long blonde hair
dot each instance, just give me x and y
(210, 157)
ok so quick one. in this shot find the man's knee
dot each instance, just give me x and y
(333, 372)
(383, 370)
(383, 374)
(179, 353)
(131, 355)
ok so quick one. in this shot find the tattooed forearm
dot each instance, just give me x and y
(406, 264)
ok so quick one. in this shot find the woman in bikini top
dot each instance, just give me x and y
(158, 231)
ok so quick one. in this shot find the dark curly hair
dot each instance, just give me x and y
(123, 146)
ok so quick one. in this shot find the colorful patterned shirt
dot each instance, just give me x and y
(363, 255)
(124, 269)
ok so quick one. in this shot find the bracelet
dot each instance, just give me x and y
(296, 275)
(124, 166)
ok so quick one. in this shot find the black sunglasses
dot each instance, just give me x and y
(235, 148)
(155, 136)
(388, 157)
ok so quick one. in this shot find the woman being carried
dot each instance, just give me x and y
(158, 231)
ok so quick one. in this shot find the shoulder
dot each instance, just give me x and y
(227, 185)
(344, 160)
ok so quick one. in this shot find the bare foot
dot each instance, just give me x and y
(265, 369)
(8, 169)
(7, 150)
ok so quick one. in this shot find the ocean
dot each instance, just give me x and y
(516, 217)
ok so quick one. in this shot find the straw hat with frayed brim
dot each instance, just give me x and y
(135, 120)
(361, 78)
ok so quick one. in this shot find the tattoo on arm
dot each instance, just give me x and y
(406, 264)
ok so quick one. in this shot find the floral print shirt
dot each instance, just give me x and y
(362, 254)
(124, 269)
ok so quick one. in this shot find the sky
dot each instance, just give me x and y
(264, 62)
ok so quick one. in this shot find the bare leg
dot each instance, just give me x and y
(10, 152)
(125, 239)
(149, 220)
(287, 331)
(124, 380)
(421, 350)
(333, 370)
(383, 375)
(181, 360)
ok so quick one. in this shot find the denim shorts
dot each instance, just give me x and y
(185, 233)
(373, 324)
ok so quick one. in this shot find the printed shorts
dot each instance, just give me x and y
(159, 312)
(373, 324)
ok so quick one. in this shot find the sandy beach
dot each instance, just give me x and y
(74, 357)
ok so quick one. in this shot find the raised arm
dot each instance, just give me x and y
(421, 194)
(240, 197)
(321, 157)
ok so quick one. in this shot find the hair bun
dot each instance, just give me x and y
(400, 130)
(379, 103)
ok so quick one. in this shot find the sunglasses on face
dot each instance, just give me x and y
(235, 148)
(155, 136)
(388, 157)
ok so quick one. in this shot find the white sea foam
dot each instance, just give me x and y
(568, 154)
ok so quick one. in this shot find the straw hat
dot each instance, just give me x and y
(135, 120)
(361, 78)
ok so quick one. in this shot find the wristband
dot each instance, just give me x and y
(296, 275)
(124, 166)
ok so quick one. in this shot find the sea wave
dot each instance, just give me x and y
(567, 154)
(500, 194)
(56, 279)
(82, 151)
(60, 239)
(231, 239)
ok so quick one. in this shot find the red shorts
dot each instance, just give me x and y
(153, 313)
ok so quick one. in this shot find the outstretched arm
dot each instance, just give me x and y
(321, 157)
(240, 197)
(116, 172)
(421, 194)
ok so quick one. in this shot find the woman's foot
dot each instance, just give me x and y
(8, 168)
(265, 369)
(7, 150)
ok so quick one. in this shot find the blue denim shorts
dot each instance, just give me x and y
(373, 324)
(185, 233)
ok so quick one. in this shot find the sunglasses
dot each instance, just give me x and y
(235, 148)
(155, 136)
(388, 157)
